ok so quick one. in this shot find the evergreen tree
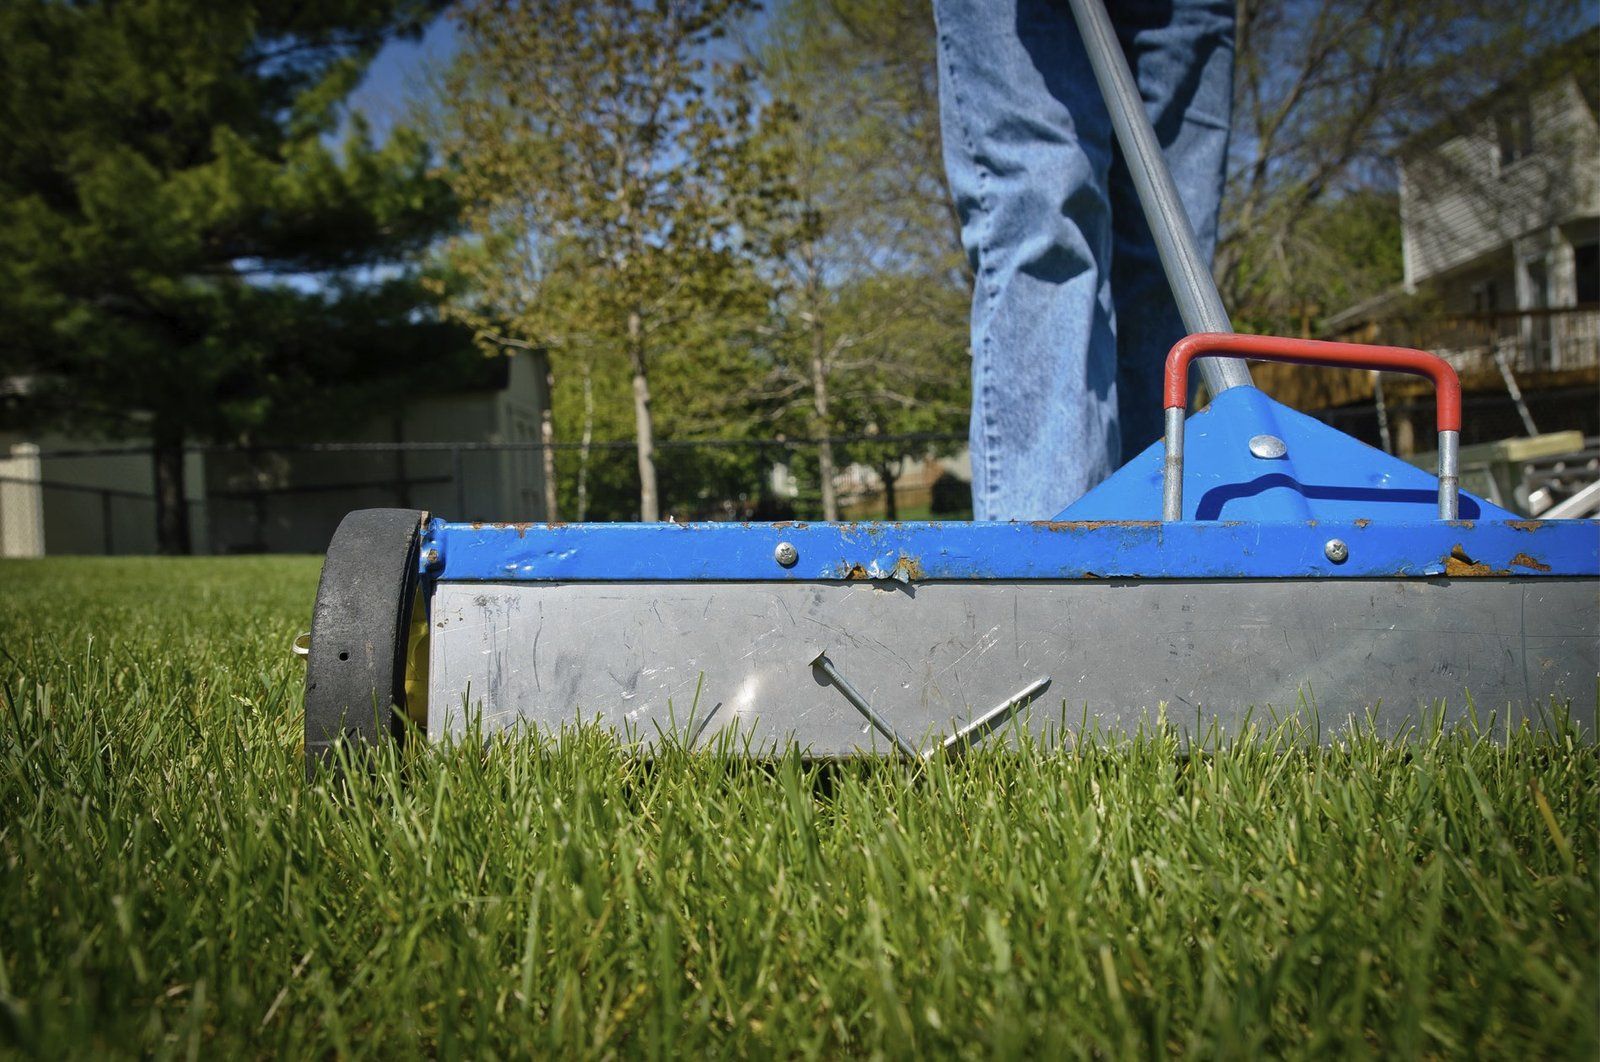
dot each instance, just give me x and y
(189, 250)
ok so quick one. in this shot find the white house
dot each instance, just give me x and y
(1500, 211)
(1500, 229)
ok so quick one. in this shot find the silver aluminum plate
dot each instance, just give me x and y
(931, 656)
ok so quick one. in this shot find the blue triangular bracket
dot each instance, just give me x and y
(1324, 474)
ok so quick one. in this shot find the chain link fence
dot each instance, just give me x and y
(290, 498)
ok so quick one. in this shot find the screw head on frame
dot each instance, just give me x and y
(1267, 447)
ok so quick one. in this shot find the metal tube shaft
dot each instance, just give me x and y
(995, 717)
(1172, 467)
(853, 695)
(1449, 475)
(1187, 270)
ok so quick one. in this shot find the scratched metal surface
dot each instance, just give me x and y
(929, 656)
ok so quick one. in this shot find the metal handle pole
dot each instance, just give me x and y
(1187, 270)
(1446, 386)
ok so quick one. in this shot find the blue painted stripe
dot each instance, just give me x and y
(921, 551)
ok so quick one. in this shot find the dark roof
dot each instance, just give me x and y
(469, 375)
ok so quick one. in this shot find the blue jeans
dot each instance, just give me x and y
(1071, 314)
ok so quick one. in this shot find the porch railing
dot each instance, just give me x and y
(1525, 341)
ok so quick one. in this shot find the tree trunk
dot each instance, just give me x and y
(258, 499)
(547, 459)
(819, 408)
(585, 446)
(172, 505)
(1405, 443)
(549, 496)
(643, 427)
(891, 507)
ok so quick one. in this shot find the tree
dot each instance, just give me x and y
(608, 166)
(871, 288)
(906, 376)
(184, 253)
(1339, 252)
(1325, 93)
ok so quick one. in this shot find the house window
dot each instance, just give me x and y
(1586, 267)
(1514, 129)
(1484, 297)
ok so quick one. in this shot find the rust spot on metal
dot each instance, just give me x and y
(1525, 525)
(1459, 564)
(906, 569)
(1522, 560)
(521, 529)
(910, 567)
(1090, 525)
(477, 525)
(1362, 521)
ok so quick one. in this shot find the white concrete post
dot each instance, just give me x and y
(21, 503)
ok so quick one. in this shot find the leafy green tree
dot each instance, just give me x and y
(189, 250)
(872, 293)
(699, 386)
(609, 166)
(1338, 253)
(907, 375)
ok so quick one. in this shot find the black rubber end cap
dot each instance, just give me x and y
(355, 671)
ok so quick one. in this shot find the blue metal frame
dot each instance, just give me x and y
(1245, 517)
(911, 552)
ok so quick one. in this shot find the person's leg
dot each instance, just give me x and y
(1181, 52)
(1027, 151)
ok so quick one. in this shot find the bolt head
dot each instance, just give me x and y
(1336, 550)
(786, 554)
(1267, 447)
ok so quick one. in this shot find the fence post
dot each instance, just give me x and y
(105, 522)
(22, 503)
(459, 475)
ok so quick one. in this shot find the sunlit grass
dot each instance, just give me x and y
(169, 883)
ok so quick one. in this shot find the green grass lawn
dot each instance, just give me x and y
(169, 884)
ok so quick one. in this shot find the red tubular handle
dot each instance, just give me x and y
(1315, 352)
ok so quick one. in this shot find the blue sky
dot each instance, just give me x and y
(396, 75)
